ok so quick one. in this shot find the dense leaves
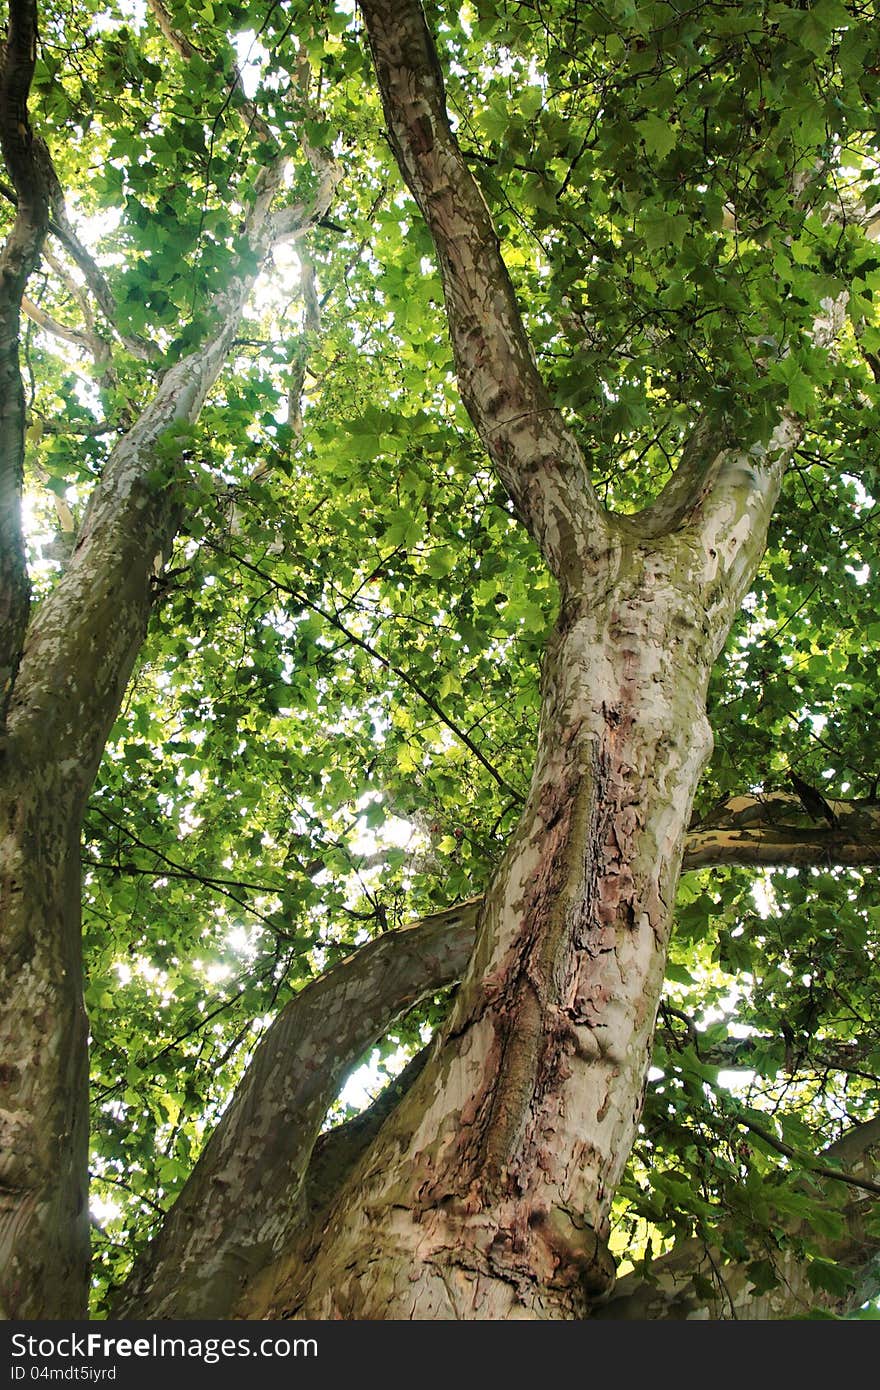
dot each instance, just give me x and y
(331, 724)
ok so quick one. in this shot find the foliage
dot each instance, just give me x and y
(330, 727)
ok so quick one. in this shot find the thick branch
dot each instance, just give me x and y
(775, 830)
(89, 342)
(240, 1200)
(240, 1206)
(536, 456)
(338, 1149)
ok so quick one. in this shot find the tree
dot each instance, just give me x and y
(519, 511)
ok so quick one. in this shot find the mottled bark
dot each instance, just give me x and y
(43, 1057)
(246, 1199)
(61, 228)
(693, 1280)
(43, 1238)
(242, 1199)
(488, 1192)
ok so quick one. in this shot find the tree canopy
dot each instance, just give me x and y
(330, 727)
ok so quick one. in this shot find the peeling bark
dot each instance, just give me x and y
(43, 1095)
(488, 1192)
(43, 1057)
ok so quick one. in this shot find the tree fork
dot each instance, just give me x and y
(243, 1198)
(487, 1193)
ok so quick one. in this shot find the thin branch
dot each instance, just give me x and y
(173, 864)
(188, 50)
(118, 1182)
(806, 1160)
(94, 631)
(61, 227)
(408, 680)
(311, 328)
(88, 429)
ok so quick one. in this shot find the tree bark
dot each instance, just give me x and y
(534, 452)
(43, 1055)
(486, 1192)
(30, 168)
(246, 1201)
(43, 1081)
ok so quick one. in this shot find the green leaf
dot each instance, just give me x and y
(658, 134)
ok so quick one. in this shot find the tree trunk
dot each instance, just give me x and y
(44, 1076)
(487, 1193)
(67, 675)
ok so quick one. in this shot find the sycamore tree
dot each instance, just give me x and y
(438, 630)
